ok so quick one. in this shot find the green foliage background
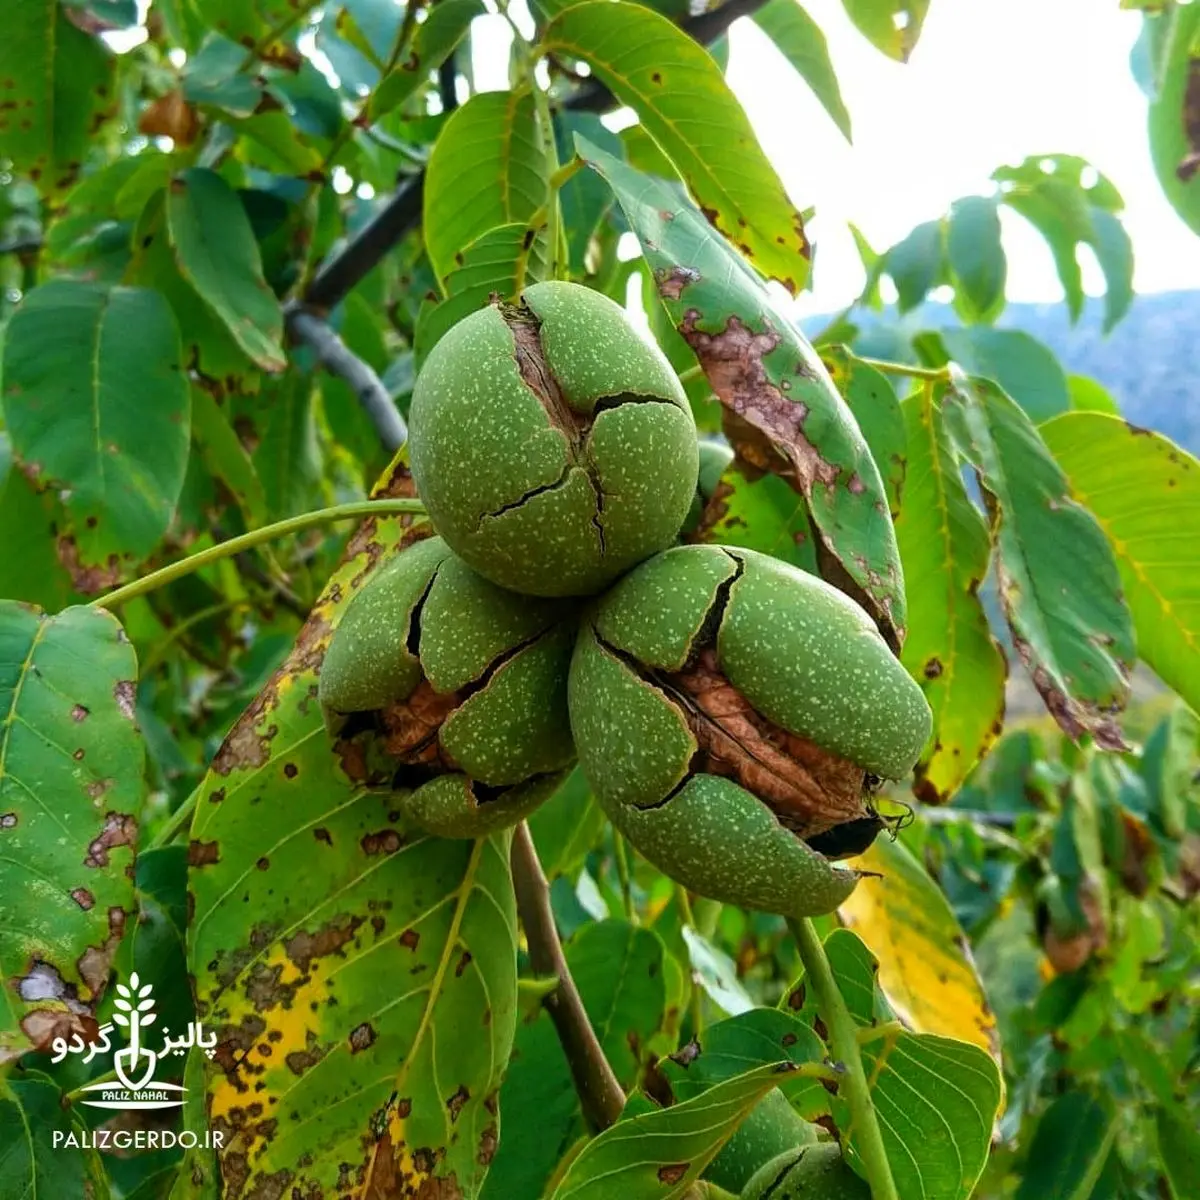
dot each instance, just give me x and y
(225, 252)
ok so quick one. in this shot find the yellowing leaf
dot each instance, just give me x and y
(924, 965)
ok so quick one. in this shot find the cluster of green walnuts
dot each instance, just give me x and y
(731, 714)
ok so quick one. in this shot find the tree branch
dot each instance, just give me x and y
(368, 387)
(403, 211)
(364, 251)
(599, 1091)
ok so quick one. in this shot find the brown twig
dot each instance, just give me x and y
(599, 1091)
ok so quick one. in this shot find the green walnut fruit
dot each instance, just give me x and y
(733, 716)
(553, 447)
(807, 1173)
(439, 685)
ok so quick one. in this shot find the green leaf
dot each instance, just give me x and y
(945, 546)
(433, 42)
(209, 347)
(70, 791)
(1050, 192)
(729, 1047)
(782, 410)
(683, 102)
(925, 968)
(217, 254)
(619, 971)
(1145, 492)
(660, 1154)
(498, 262)
(872, 400)
(1114, 253)
(936, 1098)
(32, 1113)
(1179, 1149)
(760, 512)
(488, 168)
(29, 567)
(892, 26)
(341, 957)
(98, 408)
(288, 458)
(567, 827)
(976, 256)
(58, 89)
(1174, 123)
(1069, 1149)
(226, 458)
(1058, 578)
(214, 77)
(584, 197)
(1023, 367)
(1089, 395)
(802, 43)
(915, 264)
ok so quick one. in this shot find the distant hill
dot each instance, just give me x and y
(1150, 362)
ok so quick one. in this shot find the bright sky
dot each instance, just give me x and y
(991, 82)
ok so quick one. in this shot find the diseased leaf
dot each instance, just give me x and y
(363, 970)
(685, 105)
(872, 401)
(1058, 579)
(70, 792)
(783, 412)
(892, 26)
(802, 43)
(976, 256)
(925, 968)
(99, 411)
(1175, 118)
(1069, 1149)
(29, 568)
(1145, 492)
(57, 83)
(660, 1154)
(488, 168)
(433, 42)
(936, 1098)
(945, 547)
(217, 254)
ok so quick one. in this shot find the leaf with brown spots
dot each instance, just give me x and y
(945, 546)
(360, 976)
(68, 828)
(1175, 116)
(684, 104)
(782, 412)
(57, 89)
(1059, 584)
(629, 1159)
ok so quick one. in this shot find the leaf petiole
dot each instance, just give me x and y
(247, 541)
(843, 1041)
